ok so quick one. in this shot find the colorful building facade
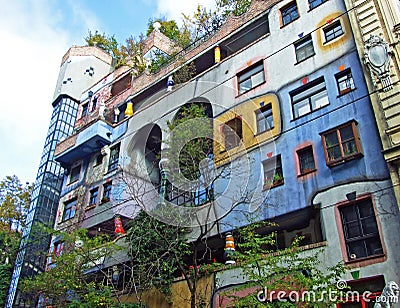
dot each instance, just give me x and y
(292, 121)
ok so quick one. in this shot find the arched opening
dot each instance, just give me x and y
(145, 153)
(190, 155)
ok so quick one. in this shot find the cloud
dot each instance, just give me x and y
(30, 57)
(173, 9)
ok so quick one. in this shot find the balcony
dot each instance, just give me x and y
(86, 142)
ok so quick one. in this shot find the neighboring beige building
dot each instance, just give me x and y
(377, 23)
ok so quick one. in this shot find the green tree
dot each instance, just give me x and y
(108, 43)
(157, 251)
(202, 23)
(234, 7)
(290, 270)
(14, 202)
(67, 283)
(9, 242)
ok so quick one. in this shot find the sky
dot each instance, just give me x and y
(34, 36)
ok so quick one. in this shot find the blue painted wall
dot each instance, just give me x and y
(297, 192)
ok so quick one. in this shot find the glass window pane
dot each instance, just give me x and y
(369, 226)
(346, 133)
(257, 79)
(374, 246)
(353, 230)
(334, 153)
(349, 213)
(357, 249)
(245, 86)
(349, 148)
(319, 100)
(331, 139)
(301, 108)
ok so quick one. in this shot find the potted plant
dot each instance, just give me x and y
(105, 199)
(277, 179)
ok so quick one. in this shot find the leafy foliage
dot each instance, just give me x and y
(289, 269)
(65, 283)
(202, 23)
(168, 27)
(157, 250)
(234, 7)
(108, 43)
(14, 201)
(185, 152)
(9, 242)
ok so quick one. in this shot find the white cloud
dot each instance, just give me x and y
(173, 9)
(32, 48)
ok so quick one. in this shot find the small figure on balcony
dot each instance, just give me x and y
(170, 84)
(229, 250)
(119, 229)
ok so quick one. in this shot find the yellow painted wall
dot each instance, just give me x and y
(180, 295)
(325, 47)
(247, 112)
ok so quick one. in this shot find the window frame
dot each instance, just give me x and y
(303, 45)
(72, 178)
(311, 166)
(309, 93)
(230, 130)
(113, 161)
(107, 188)
(93, 196)
(98, 160)
(248, 74)
(264, 116)
(287, 10)
(311, 6)
(94, 103)
(56, 250)
(348, 81)
(85, 110)
(69, 209)
(333, 30)
(269, 179)
(343, 157)
(367, 199)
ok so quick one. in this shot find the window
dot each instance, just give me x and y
(106, 192)
(289, 13)
(93, 196)
(333, 31)
(69, 209)
(99, 160)
(94, 102)
(306, 160)
(309, 97)
(232, 131)
(360, 230)
(341, 144)
(56, 251)
(75, 173)
(265, 120)
(345, 82)
(251, 77)
(85, 110)
(273, 174)
(114, 158)
(314, 3)
(304, 48)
